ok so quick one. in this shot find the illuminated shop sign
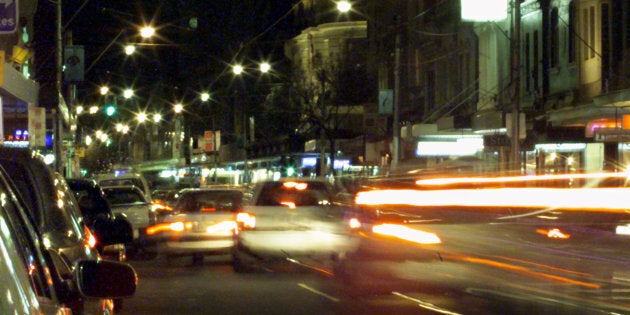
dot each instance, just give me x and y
(561, 147)
(458, 147)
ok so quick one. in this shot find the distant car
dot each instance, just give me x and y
(125, 179)
(203, 222)
(295, 219)
(130, 202)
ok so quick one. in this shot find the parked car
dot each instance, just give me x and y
(54, 211)
(292, 219)
(130, 202)
(32, 274)
(95, 210)
(203, 222)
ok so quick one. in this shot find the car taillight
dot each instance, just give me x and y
(158, 206)
(169, 227)
(354, 223)
(90, 239)
(406, 233)
(246, 220)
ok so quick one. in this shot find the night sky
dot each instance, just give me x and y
(184, 58)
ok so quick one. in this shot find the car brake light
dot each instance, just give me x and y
(246, 220)
(406, 233)
(169, 227)
(354, 223)
(90, 239)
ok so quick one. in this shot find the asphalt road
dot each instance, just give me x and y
(179, 287)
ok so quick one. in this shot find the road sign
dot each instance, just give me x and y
(8, 16)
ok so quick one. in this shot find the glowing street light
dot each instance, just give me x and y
(265, 67)
(205, 96)
(128, 93)
(178, 108)
(93, 110)
(157, 117)
(237, 69)
(104, 90)
(344, 6)
(141, 117)
(147, 32)
(130, 49)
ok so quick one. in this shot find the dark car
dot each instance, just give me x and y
(53, 210)
(33, 274)
(98, 215)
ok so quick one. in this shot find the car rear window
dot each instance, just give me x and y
(210, 201)
(124, 196)
(298, 194)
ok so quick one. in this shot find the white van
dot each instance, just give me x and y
(125, 179)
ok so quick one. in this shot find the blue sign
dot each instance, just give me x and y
(8, 16)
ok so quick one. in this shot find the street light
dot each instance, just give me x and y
(237, 69)
(205, 96)
(147, 31)
(128, 93)
(344, 6)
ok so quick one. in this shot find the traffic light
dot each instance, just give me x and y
(110, 110)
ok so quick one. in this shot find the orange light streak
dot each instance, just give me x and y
(289, 204)
(406, 233)
(511, 179)
(524, 270)
(595, 199)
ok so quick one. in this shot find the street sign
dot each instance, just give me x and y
(8, 16)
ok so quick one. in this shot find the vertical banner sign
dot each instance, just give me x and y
(212, 140)
(2, 67)
(36, 126)
(208, 136)
(8, 16)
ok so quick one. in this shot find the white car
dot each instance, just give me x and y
(203, 222)
(130, 202)
(292, 219)
(125, 179)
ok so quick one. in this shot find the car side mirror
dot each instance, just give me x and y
(105, 279)
(113, 231)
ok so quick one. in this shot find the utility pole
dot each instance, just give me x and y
(396, 101)
(516, 81)
(57, 113)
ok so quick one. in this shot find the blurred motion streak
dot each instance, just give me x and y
(596, 199)
(405, 233)
(225, 226)
(553, 233)
(289, 204)
(247, 220)
(522, 270)
(525, 178)
(166, 227)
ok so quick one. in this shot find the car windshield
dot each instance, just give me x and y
(209, 201)
(124, 196)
